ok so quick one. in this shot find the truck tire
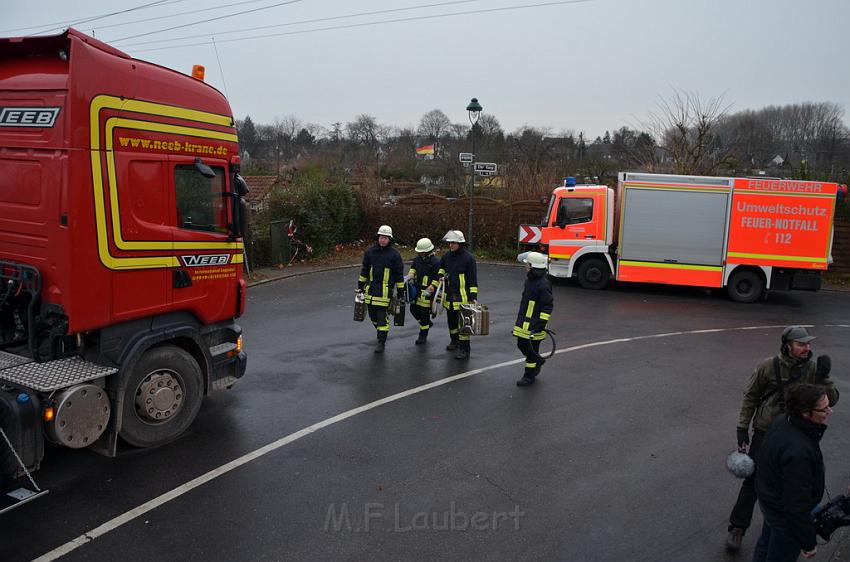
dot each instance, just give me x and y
(745, 285)
(162, 396)
(593, 273)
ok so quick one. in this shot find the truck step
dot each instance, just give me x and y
(11, 360)
(18, 497)
(53, 375)
(222, 348)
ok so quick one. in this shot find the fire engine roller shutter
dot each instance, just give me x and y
(686, 227)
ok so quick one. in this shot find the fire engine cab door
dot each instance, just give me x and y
(578, 220)
(205, 281)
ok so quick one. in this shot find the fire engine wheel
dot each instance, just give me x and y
(162, 396)
(745, 286)
(593, 274)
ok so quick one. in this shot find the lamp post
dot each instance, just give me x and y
(474, 109)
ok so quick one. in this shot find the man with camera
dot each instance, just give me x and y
(764, 399)
(790, 477)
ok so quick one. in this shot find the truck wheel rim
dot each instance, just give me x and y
(159, 396)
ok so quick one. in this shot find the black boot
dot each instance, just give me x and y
(452, 344)
(379, 347)
(462, 350)
(423, 337)
(525, 381)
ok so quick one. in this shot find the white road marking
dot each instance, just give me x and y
(273, 446)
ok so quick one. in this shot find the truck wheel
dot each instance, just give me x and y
(162, 396)
(593, 274)
(745, 286)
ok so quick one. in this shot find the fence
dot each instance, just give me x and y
(495, 222)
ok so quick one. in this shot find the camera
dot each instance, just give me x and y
(833, 515)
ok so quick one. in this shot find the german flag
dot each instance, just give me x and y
(423, 150)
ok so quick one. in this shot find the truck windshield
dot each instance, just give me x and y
(200, 200)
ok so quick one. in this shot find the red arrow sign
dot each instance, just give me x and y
(529, 234)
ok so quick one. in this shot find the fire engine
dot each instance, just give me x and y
(748, 235)
(121, 252)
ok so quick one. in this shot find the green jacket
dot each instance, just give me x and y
(761, 401)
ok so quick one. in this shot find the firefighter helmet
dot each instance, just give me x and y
(454, 236)
(385, 230)
(424, 245)
(536, 260)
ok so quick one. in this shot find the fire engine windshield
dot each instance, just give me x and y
(200, 200)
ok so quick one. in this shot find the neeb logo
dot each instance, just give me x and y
(206, 259)
(43, 117)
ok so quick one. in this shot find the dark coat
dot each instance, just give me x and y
(424, 271)
(461, 278)
(790, 475)
(382, 270)
(535, 307)
(762, 402)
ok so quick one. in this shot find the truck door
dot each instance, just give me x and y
(205, 282)
(142, 228)
(578, 220)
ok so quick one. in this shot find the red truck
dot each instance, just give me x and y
(747, 235)
(121, 251)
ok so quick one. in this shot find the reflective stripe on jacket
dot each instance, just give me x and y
(382, 270)
(461, 277)
(535, 308)
(424, 271)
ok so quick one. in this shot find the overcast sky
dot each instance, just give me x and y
(589, 66)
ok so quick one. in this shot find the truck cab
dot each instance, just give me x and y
(576, 233)
(121, 251)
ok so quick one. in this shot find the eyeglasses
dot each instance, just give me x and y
(826, 410)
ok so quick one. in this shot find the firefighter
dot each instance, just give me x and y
(382, 271)
(422, 272)
(459, 274)
(534, 311)
(764, 399)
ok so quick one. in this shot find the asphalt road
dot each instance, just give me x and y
(617, 453)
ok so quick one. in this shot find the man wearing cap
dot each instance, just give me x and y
(534, 310)
(764, 399)
(422, 272)
(382, 271)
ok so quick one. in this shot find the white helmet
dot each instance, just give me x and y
(385, 230)
(454, 236)
(535, 259)
(424, 245)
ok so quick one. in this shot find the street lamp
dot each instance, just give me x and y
(474, 108)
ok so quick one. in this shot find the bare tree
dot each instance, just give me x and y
(434, 125)
(365, 131)
(685, 127)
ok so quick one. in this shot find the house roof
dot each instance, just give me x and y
(259, 186)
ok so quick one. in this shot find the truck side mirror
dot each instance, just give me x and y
(203, 169)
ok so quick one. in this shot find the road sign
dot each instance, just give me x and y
(530, 234)
(466, 157)
(485, 174)
(481, 168)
